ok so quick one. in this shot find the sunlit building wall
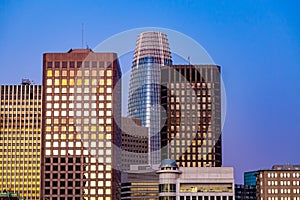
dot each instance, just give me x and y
(20, 139)
(81, 136)
(191, 98)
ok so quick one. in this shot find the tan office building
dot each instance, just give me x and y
(20, 139)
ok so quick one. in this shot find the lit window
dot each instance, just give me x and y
(49, 73)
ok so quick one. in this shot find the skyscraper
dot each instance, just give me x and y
(81, 109)
(191, 98)
(152, 51)
(20, 134)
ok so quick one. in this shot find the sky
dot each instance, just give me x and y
(256, 43)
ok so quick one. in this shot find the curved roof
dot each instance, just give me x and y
(168, 163)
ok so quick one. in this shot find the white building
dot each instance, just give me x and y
(195, 183)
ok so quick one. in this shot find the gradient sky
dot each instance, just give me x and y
(257, 44)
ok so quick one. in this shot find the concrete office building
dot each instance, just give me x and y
(195, 183)
(20, 139)
(81, 137)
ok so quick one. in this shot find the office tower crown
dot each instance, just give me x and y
(152, 47)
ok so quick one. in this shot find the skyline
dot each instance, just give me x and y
(257, 44)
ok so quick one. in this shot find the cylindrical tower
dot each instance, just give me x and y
(168, 175)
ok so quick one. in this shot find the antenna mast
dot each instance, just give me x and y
(82, 29)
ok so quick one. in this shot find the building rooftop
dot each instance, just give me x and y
(168, 163)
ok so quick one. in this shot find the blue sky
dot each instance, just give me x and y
(257, 43)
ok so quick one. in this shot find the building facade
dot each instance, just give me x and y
(140, 182)
(152, 51)
(20, 139)
(282, 182)
(81, 137)
(191, 98)
(195, 183)
(245, 192)
(134, 143)
(250, 178)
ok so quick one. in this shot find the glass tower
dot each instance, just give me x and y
(152, 51)
(20, 139)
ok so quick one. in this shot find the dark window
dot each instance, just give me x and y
(62, 176)
(55, 168)
(212, 198)
(55, 176)
(70, 176)
(70, 167)
(54, 191)
(57, 64)
(77, 175)
(47, 176)
(63, 168)
(86, 64)
(79, 64)
(230, 198)
(70, 160)
(48, 160)
(55, 160)
(77, 160)
(47, 167)
(62, 191)
(205, 197)
(47, 183)
(77, 183)
(49, 65)
(188, 198)
(77, 167)
(194, 198)
(47, 191)
(199, 198)
(62, 198)
(70, 183)
(94, 64)
(62, 184)
(77, 191)
(54, 183)
(70, 198)
(181, 197)
(72, 65)
(70, 191)
(62, 160)
(64, 64)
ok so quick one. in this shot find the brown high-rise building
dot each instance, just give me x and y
(20, 139)
(191, 98)
(81, 138)
(282, 182)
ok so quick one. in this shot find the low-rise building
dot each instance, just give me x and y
(195, 183)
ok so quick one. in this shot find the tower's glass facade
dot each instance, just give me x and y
(152, 51)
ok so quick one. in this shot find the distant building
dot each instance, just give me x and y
(195, 183)
(191, 98)
(245, 192)
(20, 139)
(134, 143)
(250, 178)
(282, 182)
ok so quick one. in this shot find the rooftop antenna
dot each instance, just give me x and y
(82, 29)
(189, 59)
